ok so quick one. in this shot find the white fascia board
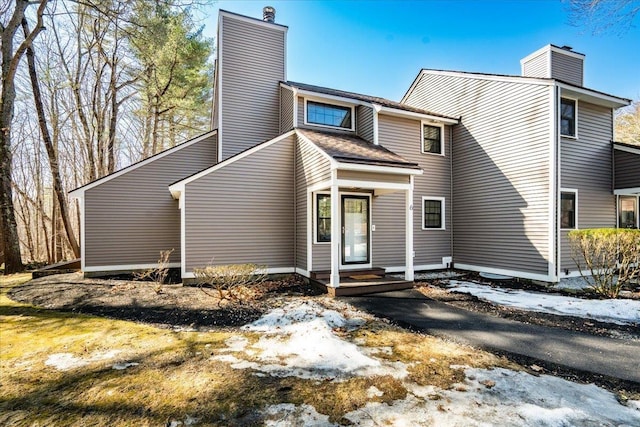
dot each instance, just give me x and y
(332, 163)
(404, 113)
(373, 185)
(79, 192)
(491, 77)
(324, 185)
(588, 95)
(626, 148)
(254, 21)
(379, 169)
(543, 49)
(379, 108)
(178, 186)
(634, 191)
(503, 272)
(127, 267)
(322, 96)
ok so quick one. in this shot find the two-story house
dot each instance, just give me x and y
(483, 172)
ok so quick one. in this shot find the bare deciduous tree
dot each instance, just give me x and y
(602, 16)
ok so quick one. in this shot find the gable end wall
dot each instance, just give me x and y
(244, 211)
(501, 169)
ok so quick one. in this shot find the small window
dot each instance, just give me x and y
(432, 139)
(329, 115)
(323, 218)
(433, 213)
(567, 117)
(628, 212)
(568, 205)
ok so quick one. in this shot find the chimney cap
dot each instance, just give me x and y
(269, 14)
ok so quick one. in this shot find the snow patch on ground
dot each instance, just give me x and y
(68, 361)
(303, 339)
(516, 399)
(620, 311)
(309, 340)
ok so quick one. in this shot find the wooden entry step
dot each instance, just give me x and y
(364, 272)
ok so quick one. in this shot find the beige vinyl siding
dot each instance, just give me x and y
(373, 177)
(132, 217)
(537, 66)
(388, 241)
(286, 110)
(402, 136)
(311, 168)
(364, 122)
(585, 165)
(500, 168)
(566, 68)
(251, 65)
(244, 211)
(627, 169)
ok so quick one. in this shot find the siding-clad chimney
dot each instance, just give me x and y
(269, 14)
(555, 62)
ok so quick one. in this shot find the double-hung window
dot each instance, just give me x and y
(567, 117)
(338, 116)
(432, 139)
(433, 213)
(568, 209)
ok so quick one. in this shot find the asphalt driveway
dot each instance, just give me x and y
(610, 357)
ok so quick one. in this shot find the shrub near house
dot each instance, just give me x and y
(610, 255)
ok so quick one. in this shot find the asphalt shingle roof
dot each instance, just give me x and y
(348, 148)
(366, 98)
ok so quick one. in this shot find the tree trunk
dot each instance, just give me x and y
(9, 243)
(51, 152)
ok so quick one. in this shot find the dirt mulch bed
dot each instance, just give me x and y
(170, 306)
(437, 290)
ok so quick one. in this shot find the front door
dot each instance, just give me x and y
(355, 229)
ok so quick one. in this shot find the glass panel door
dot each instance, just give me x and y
(628, 211)
(355, 229)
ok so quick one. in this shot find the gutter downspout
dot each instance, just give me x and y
(451, 264)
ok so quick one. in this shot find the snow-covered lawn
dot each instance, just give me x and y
(309, 340)
(620, 311)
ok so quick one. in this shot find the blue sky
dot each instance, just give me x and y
(378, 47)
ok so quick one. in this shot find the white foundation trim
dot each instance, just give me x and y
(514, 273)
(421, 267)
(125, 267)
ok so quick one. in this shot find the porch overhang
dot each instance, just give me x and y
(376, 180)
(627, 191)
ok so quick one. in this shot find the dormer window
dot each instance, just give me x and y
(567, 117)
(338, 116)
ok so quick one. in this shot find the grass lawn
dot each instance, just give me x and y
(175, 378)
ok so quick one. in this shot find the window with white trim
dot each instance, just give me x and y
(432, 139)
(323, 218)
(628, 212)
(567, 117)
(338, 116)
(433, 213)
(568, 209)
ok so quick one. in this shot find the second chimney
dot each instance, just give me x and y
(268, 14)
